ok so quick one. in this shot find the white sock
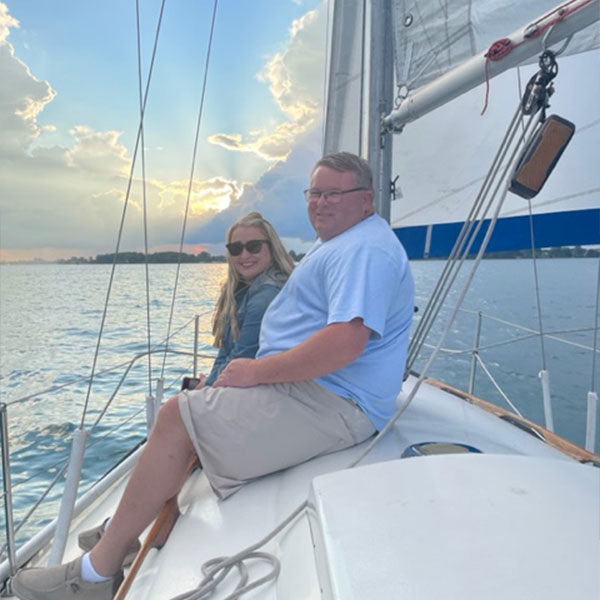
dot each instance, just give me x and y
(88, 573)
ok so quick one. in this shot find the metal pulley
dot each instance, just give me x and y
(540, 86)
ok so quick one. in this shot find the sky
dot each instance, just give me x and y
(69, 116)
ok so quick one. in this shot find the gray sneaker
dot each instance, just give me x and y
(62, 583)
(88, 539)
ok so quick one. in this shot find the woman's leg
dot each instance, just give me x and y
(158, 476)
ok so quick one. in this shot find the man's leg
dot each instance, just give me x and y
(159, 475)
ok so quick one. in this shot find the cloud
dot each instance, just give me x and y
(22, 96)
(295, 79)
(277, 195)
(68, 199)
(6, 22)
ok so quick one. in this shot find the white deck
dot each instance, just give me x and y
(435, 504)
(461, 527)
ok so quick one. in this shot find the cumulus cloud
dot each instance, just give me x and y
(6, 22)
(295, 79)
(68, 200)
(22, 96)
(277, 195)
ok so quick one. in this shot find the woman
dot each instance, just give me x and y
(259, 265)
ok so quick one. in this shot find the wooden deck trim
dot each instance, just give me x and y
(560, 443)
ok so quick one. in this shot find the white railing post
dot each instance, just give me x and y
(6, 481)
(160, 392)
(196, 333)
(150, 413)
(592, 416)
(69, 496)
(544, 376)
(475, 354)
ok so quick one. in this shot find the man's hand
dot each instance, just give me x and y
(240, 372)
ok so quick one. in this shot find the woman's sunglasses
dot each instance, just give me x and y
(253, 246)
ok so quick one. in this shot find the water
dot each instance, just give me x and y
(51, 315)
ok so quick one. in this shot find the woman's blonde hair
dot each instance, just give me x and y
(226, 307)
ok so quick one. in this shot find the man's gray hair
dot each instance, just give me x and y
(346, 161)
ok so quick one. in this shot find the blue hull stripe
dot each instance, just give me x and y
(570, 228)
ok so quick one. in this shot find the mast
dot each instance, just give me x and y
(549, 29)
(381, 92)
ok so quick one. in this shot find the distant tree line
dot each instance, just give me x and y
(558, 252)
(155, 257)
(140, 257)
(205, 257)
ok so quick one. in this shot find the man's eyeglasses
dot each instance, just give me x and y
(253, 246)
(332, 196)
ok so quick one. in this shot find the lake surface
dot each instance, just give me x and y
(51, 315)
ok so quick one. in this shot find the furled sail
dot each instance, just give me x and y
(346, 77)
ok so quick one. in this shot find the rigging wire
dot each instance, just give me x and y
(144, 198)
(191, 179)
(362, 76)
(537, 285)
(123, 214)
(595, 344)
(463, 244)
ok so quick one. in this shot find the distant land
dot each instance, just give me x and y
(206, 257)
(137, 258)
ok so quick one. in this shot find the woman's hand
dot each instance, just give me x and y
(201, 381)
(240, 372)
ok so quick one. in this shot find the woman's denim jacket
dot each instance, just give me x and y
(252, 302)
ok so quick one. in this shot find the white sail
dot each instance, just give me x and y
(441, 159)
(433, 37)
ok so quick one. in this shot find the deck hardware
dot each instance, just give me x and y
(523, 426)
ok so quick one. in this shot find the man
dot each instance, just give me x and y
(332, 353)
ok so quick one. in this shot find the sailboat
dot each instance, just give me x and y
(457, 497)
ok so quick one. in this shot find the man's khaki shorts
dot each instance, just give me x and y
(243, 433)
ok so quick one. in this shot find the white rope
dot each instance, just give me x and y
(464, 242)
(216, 570)
(497, 386)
